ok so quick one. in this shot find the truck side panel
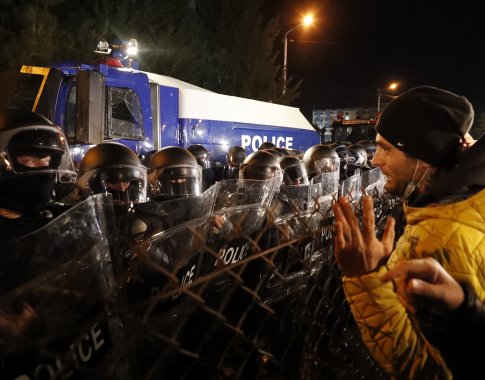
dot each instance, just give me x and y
(169, 117)
(219, 136)
(220, 121)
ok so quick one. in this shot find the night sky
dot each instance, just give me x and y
(358, 46)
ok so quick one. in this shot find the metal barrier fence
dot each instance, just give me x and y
(266, 302)
(258, 298)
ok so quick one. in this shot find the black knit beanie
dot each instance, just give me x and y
(427, 123)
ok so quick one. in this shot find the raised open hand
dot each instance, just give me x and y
(358, 251)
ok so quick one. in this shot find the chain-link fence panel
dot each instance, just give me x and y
(241, 294)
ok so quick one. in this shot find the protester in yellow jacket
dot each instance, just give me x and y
(420, 138)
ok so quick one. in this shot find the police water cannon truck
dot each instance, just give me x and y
(111, 100)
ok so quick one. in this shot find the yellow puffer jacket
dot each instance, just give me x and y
(453, 234)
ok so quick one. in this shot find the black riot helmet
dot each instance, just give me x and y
(201, 154)
(115, 169)
(25, 133)
(320, 159)
(278, 152)
(260, 165)
(266, 145)
(357, 158)
(236, 156)
(294, 172)
(359, 154)
(370, 148)
(174, 171)
(35, 156)
(343, 154)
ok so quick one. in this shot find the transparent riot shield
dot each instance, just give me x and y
(158, 300)
(329, 183)
(295, 262)
(163, 263)
(352, 188)
(170, 213)
(241, 208)
(231, 241)
(238, 192)
(289, 266)
(230, 279)
(325, 191)
(295, 198)
(54, 286)
(373, 182)
(150, 226)
(143, 221)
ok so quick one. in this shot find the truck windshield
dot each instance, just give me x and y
(124, 114)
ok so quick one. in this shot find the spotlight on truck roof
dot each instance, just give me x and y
(126, 48)
(131, 47)
(102, 47)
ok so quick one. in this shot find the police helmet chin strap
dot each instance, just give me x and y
(411, 187)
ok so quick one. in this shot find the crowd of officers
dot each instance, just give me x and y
(39, 182)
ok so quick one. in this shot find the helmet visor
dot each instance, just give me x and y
(236, 159)
(127, 184)
(204, 161)
(259, 172)
(326, 165)
(356, 159)
(295, 175)
(177, 180)
(36, 150)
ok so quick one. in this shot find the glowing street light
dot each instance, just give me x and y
(307, 20)
(392, 87)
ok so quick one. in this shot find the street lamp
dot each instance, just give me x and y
(307, 20)
(392, 86)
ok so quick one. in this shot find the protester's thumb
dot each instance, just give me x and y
(422, 288)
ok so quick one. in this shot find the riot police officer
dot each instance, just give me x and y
(358, 158)
(234, 159)
(34, 158)
(262, 165)
(294, 171)
(204, 159)
(115, 169)
(320, 159)
(174, 172)
(55, 260)
(295, 191)
(370, 148)
(343, 154)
